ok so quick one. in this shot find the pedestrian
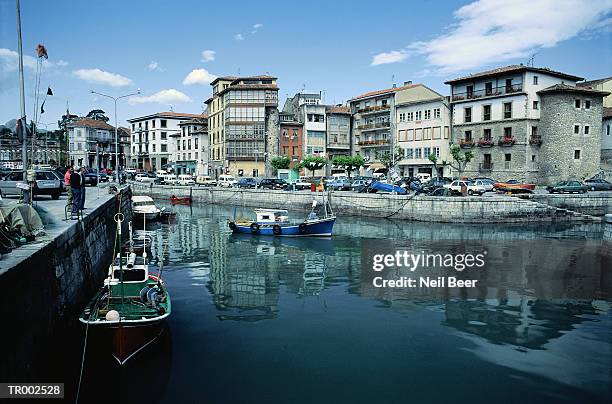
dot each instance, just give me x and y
(67, 185)
(75, 186)
(82, 200)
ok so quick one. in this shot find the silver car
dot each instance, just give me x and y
(46, 183)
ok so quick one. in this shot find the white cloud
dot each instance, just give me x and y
(257, 26)
(62, 63)
(154, 67)
(389, 57)
(101, 77)
(488, 32)
(168, 96)
(199, 76)
(238, 37)
(208, 55)
(9, 61)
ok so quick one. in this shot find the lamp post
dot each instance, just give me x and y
(115, 99)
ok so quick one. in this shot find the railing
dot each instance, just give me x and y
(485, 167)
(485, 142)
(535, 140)
(506, 141)
(374, 108)
(374, 125)
(373, 142)
(488, 92)
(466, 143)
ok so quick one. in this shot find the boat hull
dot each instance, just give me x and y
(148, 216)
(181, 201)
(128, 340)
(318, 228)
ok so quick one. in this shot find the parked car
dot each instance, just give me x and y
(205, 180)
(273, 183)
(488, 185)
(170, 179)
(339, 184)
(46, 183)
(302, 183)
(598, 184)
(443, 191)
(185, 179)
(434, 184)
(90, 178)
(567, 186)
(358, 185)
(141, 177)
(246, 183)
(472, 189)
(227, 181)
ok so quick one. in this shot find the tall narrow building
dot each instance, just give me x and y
(242, 124)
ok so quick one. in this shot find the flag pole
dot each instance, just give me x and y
(24, 144)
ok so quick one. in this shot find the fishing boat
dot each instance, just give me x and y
(130, 310)
(175, 200)
(143, 207)
(275, 222)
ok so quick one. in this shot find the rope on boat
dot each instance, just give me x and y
(82, 363)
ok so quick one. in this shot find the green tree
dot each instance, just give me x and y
(460, 160)
(313, 163)
(437, 164)
(348, 163)
(388, 160)
(280, 163)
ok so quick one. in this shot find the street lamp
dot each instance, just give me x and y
(116, 124)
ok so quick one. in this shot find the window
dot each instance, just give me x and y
(486, 134)
(196, 155)
(576, 129)
(468, 135)
(577, 103)
(608, 130)
(436, 133)
(410, 135)
(153, 147)
(427, 134)
(446, 132)
(535, 104)
(486, 112)
(488, 88)
(428, 114)
(470, 91)
(402, 117)
(437, 151)
(184, 145)
(508, 85)
(189, 144)
(418, 134)
(436, 113)
(410, 116)
(195, 141)
(153, 135)
(417, 153)
(535, 80)
(164, 135)
(418, 115)
(163, 123)
(164, 148)
(153, 123)
(409, 153)
(507, 132)
(426, 152)
(587, 104)
(534, 131)
(577, 154)
(467, 114)
(507, 110)
(586, 129)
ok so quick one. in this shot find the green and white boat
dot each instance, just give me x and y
(130, 310)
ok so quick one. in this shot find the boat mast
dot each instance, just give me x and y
(22, 118)
(119, 217)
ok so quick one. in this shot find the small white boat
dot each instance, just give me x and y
(143, 207)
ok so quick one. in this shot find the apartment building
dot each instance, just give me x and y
(604, 84)
(91, 143)
(338, 130)
(151, 145)
(423, 129)
(307, 109)
(606, 137)
(191, 147)
(242, 113)
(496, 114)
(291, 134)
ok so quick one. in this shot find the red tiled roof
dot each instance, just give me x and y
(572, 89)
(338, 110)
(90, 123)
(513, 69)
(381, 92)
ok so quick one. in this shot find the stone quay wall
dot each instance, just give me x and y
(44, 294)
(490, 209)
(593, 203)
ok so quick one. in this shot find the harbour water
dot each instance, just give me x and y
(280, 320)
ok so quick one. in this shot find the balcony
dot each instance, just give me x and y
(466, 143)
(374, 108)
(485, 167)
(506, 141)
(535, 140)
(488, 92)
(378, 142)
(485, 142)
(374, 126)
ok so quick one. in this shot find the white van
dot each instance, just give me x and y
(205, 180)
(341, 176)
(227, 181)
(424, 177)
(186, 179)
(170, 179)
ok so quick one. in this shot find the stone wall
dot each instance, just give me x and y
(558, 117)
(490, 209)
(592, 203)
(44, 294)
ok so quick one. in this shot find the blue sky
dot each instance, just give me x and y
(343, 48)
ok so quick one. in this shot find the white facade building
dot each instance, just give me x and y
(91, 141)
(191, 145)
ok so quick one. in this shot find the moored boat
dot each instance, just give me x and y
(143, 207)
(175, 200)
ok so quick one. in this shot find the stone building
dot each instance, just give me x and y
(496, 114)
(291, 134)
(338, 130)
(571, 132)
(606, 138)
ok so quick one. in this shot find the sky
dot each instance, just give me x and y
(171, 50)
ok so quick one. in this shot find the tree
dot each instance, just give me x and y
(98, 115)
(348, 163)
(434, 159)
(388, 160)
(280, 162)
(460, 160)
(313, 163)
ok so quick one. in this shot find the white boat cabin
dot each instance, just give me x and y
(135, 270)
(271, 216)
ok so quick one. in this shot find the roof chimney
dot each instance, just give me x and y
(407, 83)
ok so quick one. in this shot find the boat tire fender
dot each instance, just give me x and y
(277, 230)
(302, 227)
(254, 228)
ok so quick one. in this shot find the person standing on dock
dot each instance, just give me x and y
(75, 186)
(82, 200)
(67, 184)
